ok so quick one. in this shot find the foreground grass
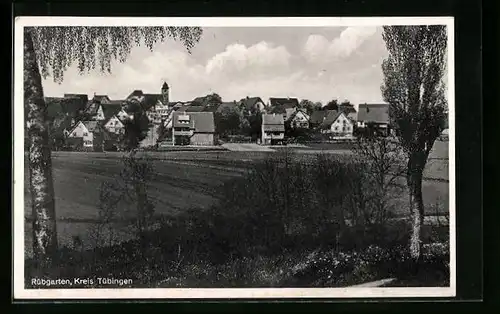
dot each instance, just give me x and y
(160, 266)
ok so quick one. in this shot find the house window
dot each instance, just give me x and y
(85, 134)
(276, 133)
(343, 128)
(336, 128)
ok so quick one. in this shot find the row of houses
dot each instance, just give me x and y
(97, 122)
(339, 123)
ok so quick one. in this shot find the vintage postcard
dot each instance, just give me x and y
(234, 158)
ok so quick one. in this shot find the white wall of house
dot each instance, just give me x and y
(260, 105)
(100, 114)
(81, 131)
(114, 125)
(203, 139)
(122, 115)
(300, 120)
(268, 136)
(342, 125)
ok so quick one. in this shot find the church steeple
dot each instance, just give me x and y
(164, 93)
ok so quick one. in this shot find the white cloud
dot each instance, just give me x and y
(257, 59)
(318, 48)
(264, 69)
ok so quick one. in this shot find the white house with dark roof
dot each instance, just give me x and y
(338, 124)
(376, 115)
(88, 130)
(193, 128)
(272, 129)
(299, 119)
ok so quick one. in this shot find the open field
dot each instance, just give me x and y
(184, 180)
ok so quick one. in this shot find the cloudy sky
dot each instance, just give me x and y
(304, 62)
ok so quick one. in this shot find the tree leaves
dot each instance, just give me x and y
(91, 47)
(413, 82)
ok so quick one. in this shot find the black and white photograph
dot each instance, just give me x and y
(234, 157)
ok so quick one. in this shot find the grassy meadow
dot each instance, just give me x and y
(184, 180)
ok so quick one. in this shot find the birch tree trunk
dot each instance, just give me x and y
(40, 165)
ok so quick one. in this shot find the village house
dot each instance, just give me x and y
(193, 128)
(349, 111)
(374, 115)
(114, 125)
(284, 106)
(299, 120)
(337, 123)
(251, 104)
(272, 129)
(90, 132)
(317, 118)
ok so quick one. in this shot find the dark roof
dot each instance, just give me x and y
(201, 122)
(296, 112)
(286, 102)
(250, 102)
(273, 122)
(378, 113)
(191, 108)
(110, 110)
(84, 97)
(150, 100)
(347, 109)
(135, 93)
(318, 116)
(116, 102)
(91, 108)
(101, 98)
(330, 117)
(164, 86)
(72, 106)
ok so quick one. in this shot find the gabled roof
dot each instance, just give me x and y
(110, 110)
(330, 118)
(318, 116)
(250, 102)
(104, 122)
(273, 122)
(378, 113)
(135, 93)
(286, 102)
(296, 112)
(201, 122)
(101, 98)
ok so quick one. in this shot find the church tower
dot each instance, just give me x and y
(164, 94)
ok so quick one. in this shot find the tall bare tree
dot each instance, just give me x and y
(414, 88)
(50, 51)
